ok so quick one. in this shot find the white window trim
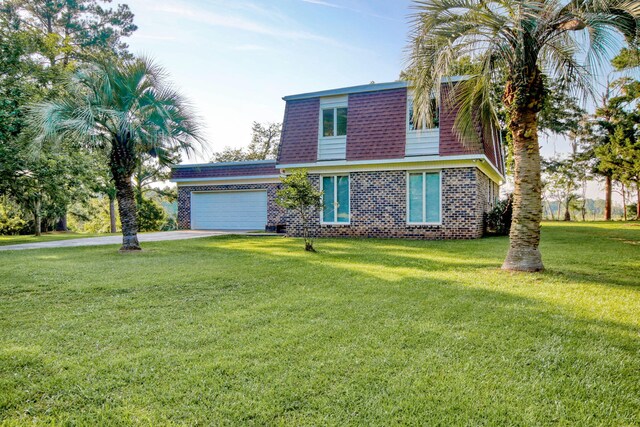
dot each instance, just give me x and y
(335, 195)
(333, 107)
(424, 187)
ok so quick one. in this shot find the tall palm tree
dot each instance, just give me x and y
(516, 41)
(127, 109)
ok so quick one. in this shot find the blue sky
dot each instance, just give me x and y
(236, 59)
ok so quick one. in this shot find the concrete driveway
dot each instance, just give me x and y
(115, 240)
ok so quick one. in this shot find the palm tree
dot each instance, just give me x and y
(127, 109)
(516, 41)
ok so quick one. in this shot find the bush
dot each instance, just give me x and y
(632, 210)
(170, 224)
(299, 195)
(151, 216)
(498, 220)
(12, 220)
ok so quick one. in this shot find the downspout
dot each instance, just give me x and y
(495, 150)
(504, 166)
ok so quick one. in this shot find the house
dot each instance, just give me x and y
(381, 176)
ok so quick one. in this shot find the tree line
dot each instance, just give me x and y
(605, 146)
(44, 184)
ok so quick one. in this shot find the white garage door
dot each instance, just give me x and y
(233, 210)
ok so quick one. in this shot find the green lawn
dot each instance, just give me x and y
(45, 237)
(250, 330)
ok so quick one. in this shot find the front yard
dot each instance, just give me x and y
(252, 330)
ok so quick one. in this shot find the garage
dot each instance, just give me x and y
(229, 210)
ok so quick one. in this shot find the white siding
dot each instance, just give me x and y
(229, 210)
(424, 142)
(334, 148)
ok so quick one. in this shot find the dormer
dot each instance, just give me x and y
(332, 132)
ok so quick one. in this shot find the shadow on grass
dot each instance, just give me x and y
(401, 258)
(240, 329)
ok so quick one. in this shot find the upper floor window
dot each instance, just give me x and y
(334, 121)
(435, 117)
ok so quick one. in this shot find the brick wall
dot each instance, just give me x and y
(379, 207)
(275, 214)
(378, 203)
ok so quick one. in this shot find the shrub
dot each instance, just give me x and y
(632, 210)
(151, 216)
(298, 194)
(170, 224)
(12, 220)
(498, 220)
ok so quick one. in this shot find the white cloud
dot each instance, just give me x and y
(324, 3)
(237, 23)
(338, 6)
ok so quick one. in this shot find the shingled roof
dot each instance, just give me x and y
(252, 168)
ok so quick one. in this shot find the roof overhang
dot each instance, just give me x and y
(407, 163)
(230, 180)
(373, 87)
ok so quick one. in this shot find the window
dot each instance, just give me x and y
(334, 122)
(435, 112)
(335, 199)
(423, 194)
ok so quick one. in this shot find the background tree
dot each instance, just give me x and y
(128, 109)
(518, 40)
(76, 29)
(562, 116)
(263, 145)
(561, 177)
(611, 128)
(41, 42)
(299, 195)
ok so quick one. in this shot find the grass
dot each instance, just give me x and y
(248, 330)
(46, 237)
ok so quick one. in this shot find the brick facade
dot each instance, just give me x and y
(378, 203)
(275, 214)
(379, 207)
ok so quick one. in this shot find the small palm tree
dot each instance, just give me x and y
(518, 41)
(127, 109)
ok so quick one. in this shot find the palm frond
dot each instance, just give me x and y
(569, 40)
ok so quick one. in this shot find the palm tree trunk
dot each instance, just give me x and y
(524, 237)
(122, 163)
(112, 214)
(127, 208)
(607, 198)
